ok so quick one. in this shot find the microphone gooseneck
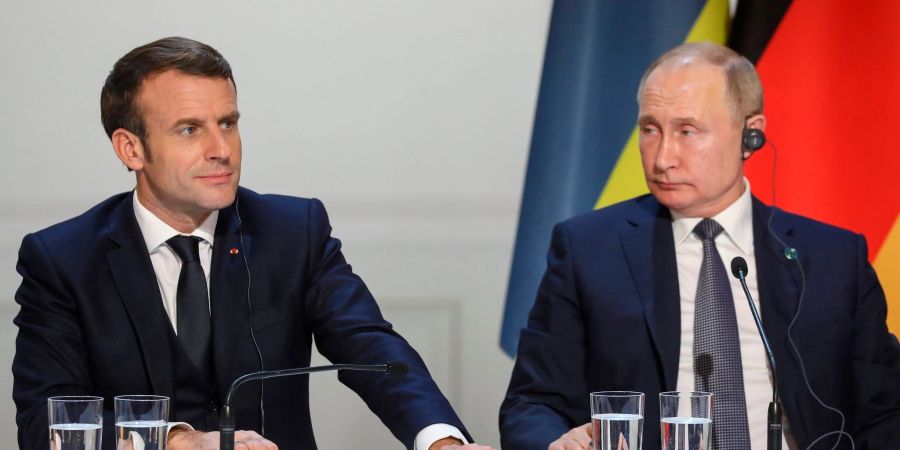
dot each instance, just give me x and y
(739, 270)
(226, 417)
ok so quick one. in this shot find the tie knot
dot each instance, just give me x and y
(186, 247)
(708, 229)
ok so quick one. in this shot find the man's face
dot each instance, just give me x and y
(690, 141)
(193, 137)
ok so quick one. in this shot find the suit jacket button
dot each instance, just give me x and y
(213, 406)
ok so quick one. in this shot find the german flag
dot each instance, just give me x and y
(584, 150)
(830, 71)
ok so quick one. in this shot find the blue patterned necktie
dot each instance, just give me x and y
(717, 349)
(194, 328)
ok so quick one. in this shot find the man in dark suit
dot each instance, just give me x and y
(189, 281)
(622, 296)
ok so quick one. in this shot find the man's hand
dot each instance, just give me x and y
(455, 444)
(578, 438)
(198, 440)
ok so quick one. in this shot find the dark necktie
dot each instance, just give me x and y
(717, 348)
(193, 304)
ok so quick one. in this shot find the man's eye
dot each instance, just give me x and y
(227, 124)
(648, 130)
(187, 131)
(688, 132)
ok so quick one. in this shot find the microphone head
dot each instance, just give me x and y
(739, 267)
(397, 369)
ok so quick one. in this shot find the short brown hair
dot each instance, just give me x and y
(118, 106)
(743, 89)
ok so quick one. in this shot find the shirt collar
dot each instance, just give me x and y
(736, 220)
(156, 232)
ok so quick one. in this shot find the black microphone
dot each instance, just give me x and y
(740, 271)
(226, 419)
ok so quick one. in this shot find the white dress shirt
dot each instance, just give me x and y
(735, 240)
(167, 268)
(166, 264)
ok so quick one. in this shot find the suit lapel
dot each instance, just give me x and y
(134, 278)
(778, 279)
(228, 293)
(649, 248)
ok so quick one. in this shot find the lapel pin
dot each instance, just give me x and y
(234, 251)
(791, 253)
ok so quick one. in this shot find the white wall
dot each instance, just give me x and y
(411, 120)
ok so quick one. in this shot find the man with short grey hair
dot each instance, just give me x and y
(636, 296)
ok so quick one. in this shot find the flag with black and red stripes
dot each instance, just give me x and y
(831, 74)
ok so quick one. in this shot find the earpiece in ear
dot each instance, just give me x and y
(752, 140)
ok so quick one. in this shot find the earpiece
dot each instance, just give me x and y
(752, 139)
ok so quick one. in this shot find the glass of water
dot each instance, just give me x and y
(618, 420)
(685, 420)
(76, 422)
(141, 422)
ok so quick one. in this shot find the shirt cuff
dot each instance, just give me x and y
(179, 426)
(435, 432)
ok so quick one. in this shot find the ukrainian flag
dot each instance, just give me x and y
(584, 151)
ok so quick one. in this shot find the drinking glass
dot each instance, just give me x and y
(618, 420)
(141, 422)
(76, 422)
(685, 420)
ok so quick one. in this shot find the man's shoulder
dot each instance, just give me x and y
(808, 234)
(92, 222)
(274, 205)
(642, 209)
(802, 226)
(277, 213)
(76, 242)
(271, 201)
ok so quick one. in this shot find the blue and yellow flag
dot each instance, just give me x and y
(584, 151)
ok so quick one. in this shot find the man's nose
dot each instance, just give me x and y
(217, 146)
(666, 154)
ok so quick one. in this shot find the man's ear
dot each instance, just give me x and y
(129, 149)
(756, 121)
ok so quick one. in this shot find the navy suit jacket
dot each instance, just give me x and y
(607, 317)
(92, 321)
